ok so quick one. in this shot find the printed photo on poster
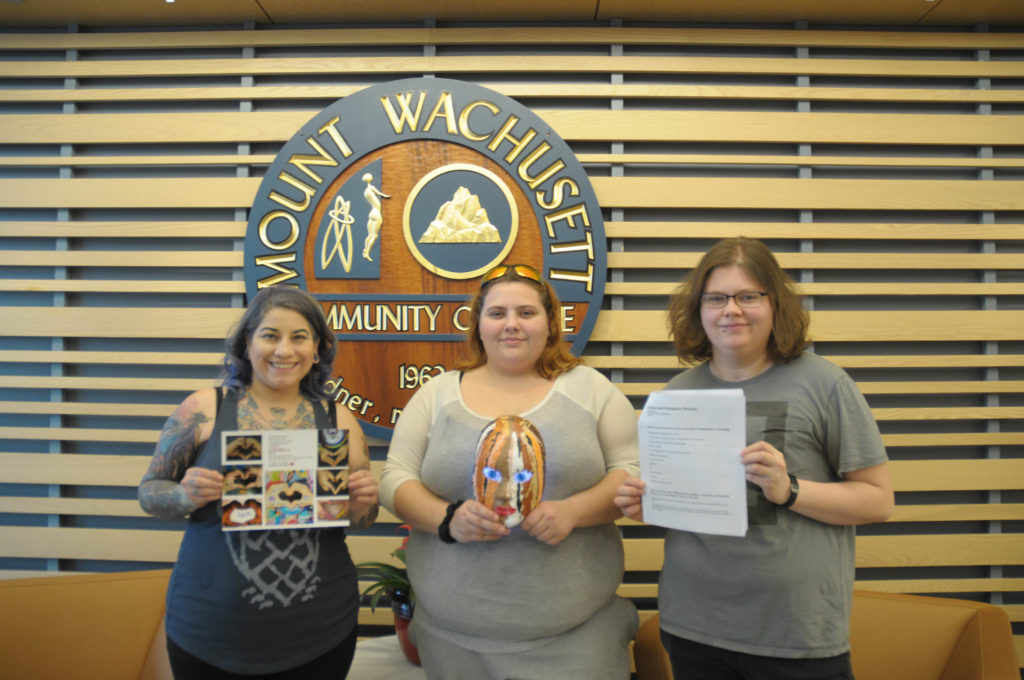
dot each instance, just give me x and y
(284, 479)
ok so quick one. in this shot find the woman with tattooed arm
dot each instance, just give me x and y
(269, 603)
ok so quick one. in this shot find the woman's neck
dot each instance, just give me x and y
(738, 369)
(271, 398)
(494, 393)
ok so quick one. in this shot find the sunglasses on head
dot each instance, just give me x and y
(522, 270)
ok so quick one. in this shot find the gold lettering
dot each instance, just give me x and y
(587, 246)
(273, 261)
(524, 167)
(301, 161)
(457, 318)
(464, 120)
(386, 314)
(287, 202)
(575, 276)
(432, 313)
(339, 141)
(567, 215)
(293, 234)
(568, 318)
(517, 144)
(398, 121)
(444, 103)
(558, 194)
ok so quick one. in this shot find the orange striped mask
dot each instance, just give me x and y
(509, 474)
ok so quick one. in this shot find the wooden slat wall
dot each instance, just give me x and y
(885, 168)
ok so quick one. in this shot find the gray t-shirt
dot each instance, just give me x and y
(785, 588)
(517, 592)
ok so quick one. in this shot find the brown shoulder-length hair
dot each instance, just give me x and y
(556, 358)
(237, 370)
(790, 320)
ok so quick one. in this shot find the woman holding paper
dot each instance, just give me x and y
(778, 599)
(505, 588)
(251, 603)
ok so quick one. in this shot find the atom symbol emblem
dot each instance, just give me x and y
(340, 229)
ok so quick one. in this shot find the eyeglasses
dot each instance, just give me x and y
(523, 270)
(749, 298)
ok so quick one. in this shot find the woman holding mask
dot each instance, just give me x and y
(497, 599)
(265, 603)
(774, 604)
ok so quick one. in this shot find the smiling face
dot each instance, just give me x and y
(736, 333)
(281, 350)
(513, 326)
(509, 473)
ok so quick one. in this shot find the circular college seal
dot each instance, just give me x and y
(390, 204)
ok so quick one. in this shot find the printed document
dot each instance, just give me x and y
(690, 443)
(284, 479)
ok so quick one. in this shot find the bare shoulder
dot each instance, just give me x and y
(199, 411)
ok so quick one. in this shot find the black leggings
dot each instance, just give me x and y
(696, 661)
(332, 665)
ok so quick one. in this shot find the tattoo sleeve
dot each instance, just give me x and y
(160, 493)
(362, 520)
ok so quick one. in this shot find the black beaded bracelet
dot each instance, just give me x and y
(444, 528)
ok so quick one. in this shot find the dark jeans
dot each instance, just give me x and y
(695, 661)
(333, 665)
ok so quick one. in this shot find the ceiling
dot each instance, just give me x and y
(16, 14)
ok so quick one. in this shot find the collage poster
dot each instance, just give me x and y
(284, 479)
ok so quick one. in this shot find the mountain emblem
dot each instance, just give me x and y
(461, 220)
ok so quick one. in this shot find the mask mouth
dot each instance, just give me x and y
(505, 510)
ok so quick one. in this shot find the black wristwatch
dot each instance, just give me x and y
(794, 491)
(444, 528)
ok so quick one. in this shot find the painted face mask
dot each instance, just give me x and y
(509, 474)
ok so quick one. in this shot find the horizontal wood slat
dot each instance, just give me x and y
(612, 325)
(942, 585)
(32, 505)
(164, 409)
(486, 35)
(516, 63)
(871, 387)
(611, 288)
(896, 261)
(617, 192)
(124, 229)
(539, 91)
(120, 470)
(641, 554)
(628, 125)
(668, 361)
(845, 288)
(81, 434)
(921, 550)
(133, 258)
(633, 260)
(149, 436)
(635, 159)
(133, 544)
(597, 361)
(904, 231)
(537, 35)
(118, 286)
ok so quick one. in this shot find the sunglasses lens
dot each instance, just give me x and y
(523, 270)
